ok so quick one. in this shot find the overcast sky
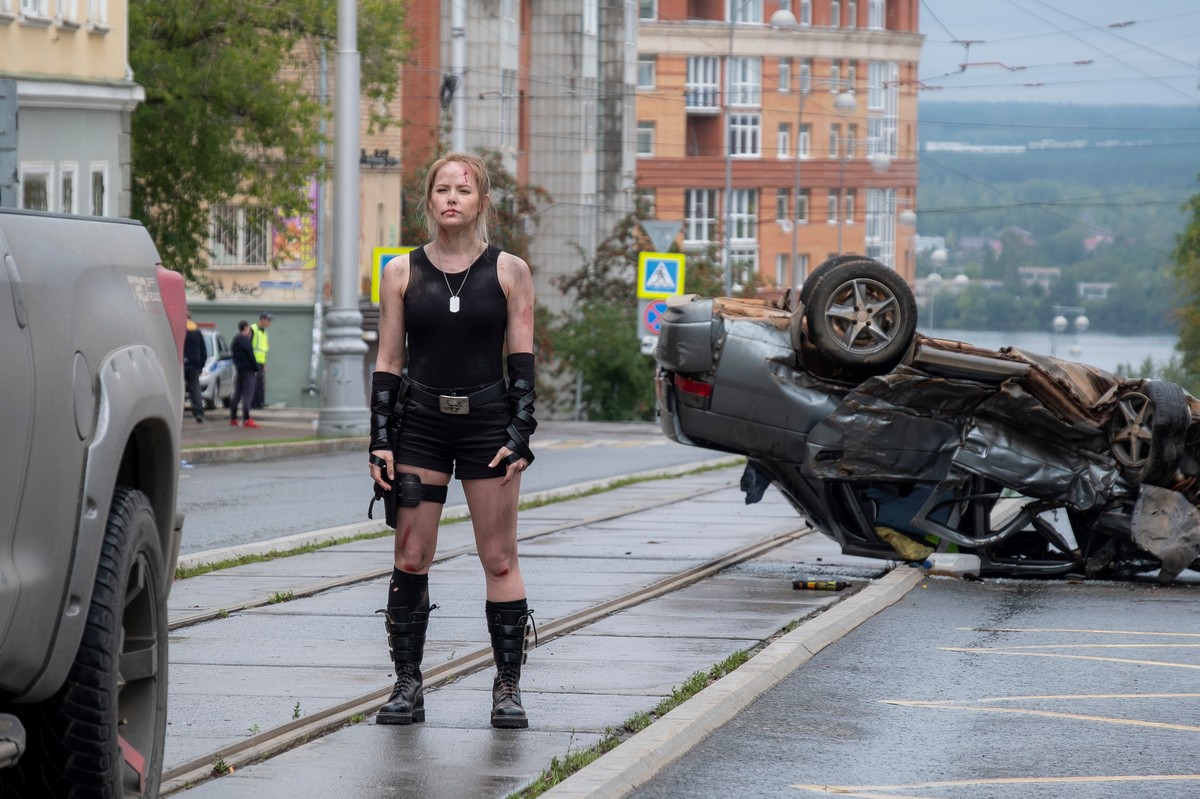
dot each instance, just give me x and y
(1136, 52)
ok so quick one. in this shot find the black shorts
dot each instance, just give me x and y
(458, 444)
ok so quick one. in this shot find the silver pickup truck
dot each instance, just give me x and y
(91, 398)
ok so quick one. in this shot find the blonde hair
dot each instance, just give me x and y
(483, 183)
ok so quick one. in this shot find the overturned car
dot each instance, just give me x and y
(897, 445)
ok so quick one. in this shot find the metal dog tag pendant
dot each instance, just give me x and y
(454, 305)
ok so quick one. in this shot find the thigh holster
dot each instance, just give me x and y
(406, 492)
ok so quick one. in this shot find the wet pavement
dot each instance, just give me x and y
(233, 679)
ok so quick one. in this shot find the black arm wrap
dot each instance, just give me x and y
(522, 395)
(385, 417)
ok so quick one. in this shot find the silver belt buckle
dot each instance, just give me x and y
(456, 405)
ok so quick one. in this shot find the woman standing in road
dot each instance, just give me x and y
(458, 303)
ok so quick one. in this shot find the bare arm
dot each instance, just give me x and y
(391, 343)
(517, 282)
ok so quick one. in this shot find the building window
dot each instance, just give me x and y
(785, 74)
(851, 76)
(648, 9)
(875, 14)
(801, 268)
(848, 207)
(851, 13)
(66, 11)
(645, 138)
(703, 89)
(883, 96)
(745, 82)
(591, 18)
(781, 204)
(744, 10)
(805, 141)
(647, 69)
(802, 207)
(805, 12)
(745, 134)
(881, 226)
(851, 140)
(35, 8)
(806, 71)
(783, 140)
(68, 179)
(745, 262)
(240, 236)
(831, 207)
(97, 12)
(743, 215)
(781, 269)
(99, 193)
(700, 216)
(508, 10)
(36, 193)
(835, 13)
(835, 135)
(835, 77)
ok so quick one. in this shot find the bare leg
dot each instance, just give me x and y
(417, 528)
(494, 518)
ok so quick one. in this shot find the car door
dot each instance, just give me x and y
(16, 419)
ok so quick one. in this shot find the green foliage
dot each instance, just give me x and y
(1187, 271)
(599, 342)
(231, 113)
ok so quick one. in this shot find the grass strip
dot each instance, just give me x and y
(571, 762)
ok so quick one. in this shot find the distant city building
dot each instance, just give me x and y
(63, 70)
(730, 106)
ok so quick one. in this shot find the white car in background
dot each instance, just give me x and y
(218, 375)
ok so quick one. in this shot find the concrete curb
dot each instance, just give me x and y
(240, 453)
(639, 759)
(375, 526)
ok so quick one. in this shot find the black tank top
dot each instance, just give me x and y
(455, 350)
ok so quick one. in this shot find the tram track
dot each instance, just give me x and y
(317, 723)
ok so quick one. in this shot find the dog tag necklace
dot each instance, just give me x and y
(454, 294)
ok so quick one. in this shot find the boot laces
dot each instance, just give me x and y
(508, 681)
(406, 677)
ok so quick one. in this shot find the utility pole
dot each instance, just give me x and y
(344, 400)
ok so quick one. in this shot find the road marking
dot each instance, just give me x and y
(1020, 711)
(1071, 630)
(873, 791)
(1026, 653)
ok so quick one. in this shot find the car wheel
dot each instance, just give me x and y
(861, 317)
(824, 269)
(1146, 432)
(103, 733)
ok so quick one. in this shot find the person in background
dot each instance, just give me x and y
(242, 350)
(459, 303)
(262, 345)
(195, 355)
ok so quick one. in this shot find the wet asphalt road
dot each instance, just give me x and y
(992, 690)
(237, 503)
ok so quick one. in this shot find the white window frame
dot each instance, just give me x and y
(782, 200)
(875, 14)
(745, 257)
(883, 98)
(851, 13)
(835, 76)
(783, 140)
(699, 216)
(802, 207)
(744, 79)
(645, 138)
(804, 146)
(35, 9)
(806, 73)
(703, 87)
(745, 135)
(881, 226)
(591, 17)
(68, 170)
(806, 12)
(848, 202)
(648, 10)
(743, 216)
(785, 75)
(68, 13)
(647, 70)
(38, 169)
(98, 168)
(746, 11)
(802, 262)
(782, 261)
(835, 13)
(835, 140)
(97, 12)
(831, 207)
(252, 228)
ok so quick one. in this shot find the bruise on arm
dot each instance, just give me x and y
(517, 282)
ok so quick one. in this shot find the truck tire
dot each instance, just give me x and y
(102, 734)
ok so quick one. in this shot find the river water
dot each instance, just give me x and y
(1104, 350)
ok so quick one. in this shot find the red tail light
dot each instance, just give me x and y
(174, 300)
(694, 387)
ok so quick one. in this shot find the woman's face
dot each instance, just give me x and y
(455, 198)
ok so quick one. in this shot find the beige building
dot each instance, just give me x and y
(66, 96)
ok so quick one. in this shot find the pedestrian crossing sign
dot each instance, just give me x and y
(379, 259)
(660, 274)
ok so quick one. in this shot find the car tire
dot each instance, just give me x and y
(1146, 432)
(824, 269)
(111, 712)
(861, 317)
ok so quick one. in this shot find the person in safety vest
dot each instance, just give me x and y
(262, 345)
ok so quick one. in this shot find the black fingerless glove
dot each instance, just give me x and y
(385, 420)
(521, 395)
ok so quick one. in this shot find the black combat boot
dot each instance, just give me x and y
(508, 622)
(406, 638)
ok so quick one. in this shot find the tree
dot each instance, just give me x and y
(230, 111)
(1187, 260)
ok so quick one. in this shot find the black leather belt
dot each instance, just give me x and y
(455, 403)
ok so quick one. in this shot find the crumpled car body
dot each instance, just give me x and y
(897, 445)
